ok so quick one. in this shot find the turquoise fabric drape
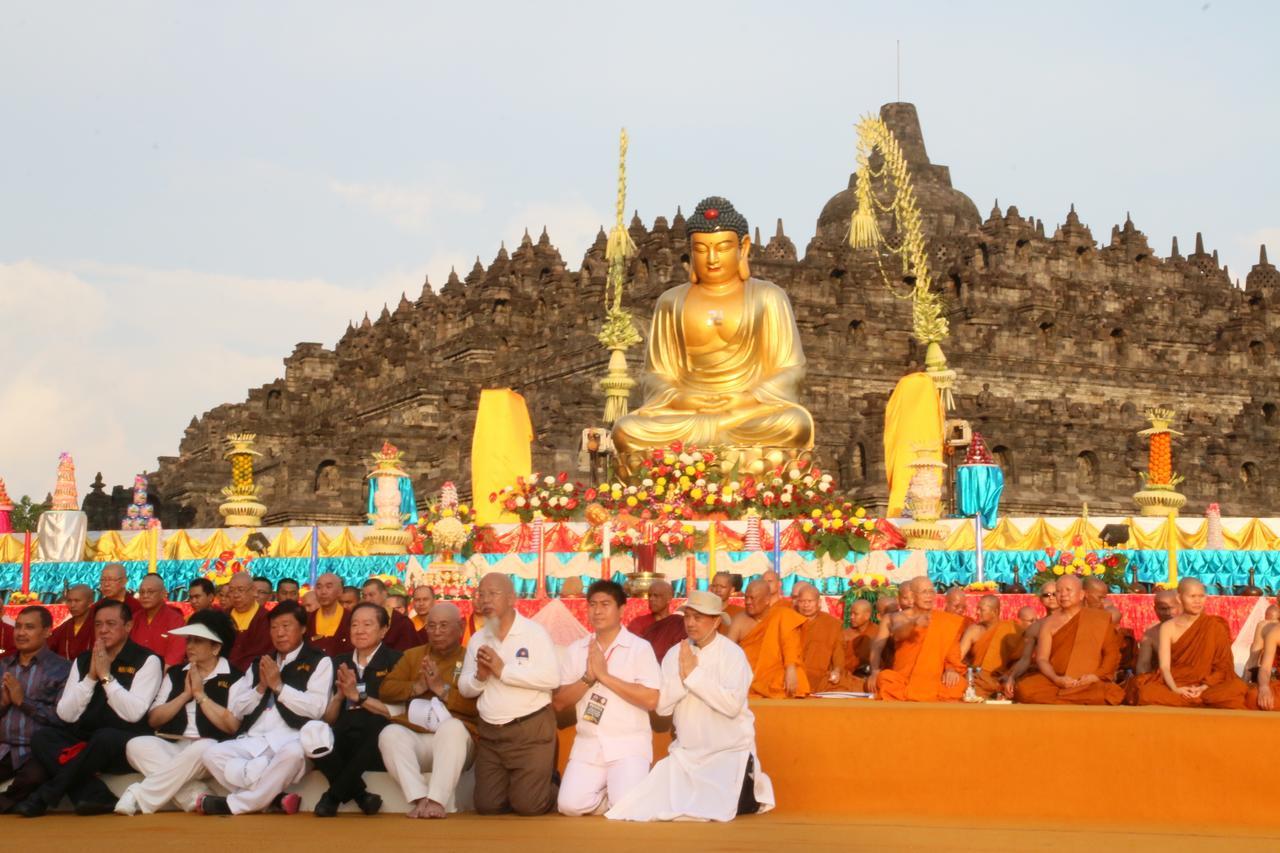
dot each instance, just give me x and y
(979, 488)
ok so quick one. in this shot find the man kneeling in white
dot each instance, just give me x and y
(189, 715)
(435, 734)
(280, 694)
(611, 678)
(711, 771)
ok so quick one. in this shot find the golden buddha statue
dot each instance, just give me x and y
(724, 361)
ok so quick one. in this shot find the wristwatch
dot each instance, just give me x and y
(106, 679)
(590, 682)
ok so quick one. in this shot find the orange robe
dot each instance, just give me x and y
(992, 656)
(857, 655)
(823, 651)
(1087, 644)
(920, 660)
(771, 646)
(1202, 655)
(732, 610)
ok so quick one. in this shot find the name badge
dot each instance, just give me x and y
(595, 708)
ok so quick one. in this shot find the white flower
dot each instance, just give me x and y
(795, 474)
(520, 501)
(568, 488)
(686, 459)
(549, 480)
(535, 503)
(647, 482)
(697, 456)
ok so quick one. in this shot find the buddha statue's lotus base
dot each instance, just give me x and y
(745, 460)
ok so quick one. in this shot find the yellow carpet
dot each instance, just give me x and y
(166, 833)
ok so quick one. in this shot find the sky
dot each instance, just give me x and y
(189, 189)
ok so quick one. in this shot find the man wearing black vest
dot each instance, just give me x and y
(280, 694)
(357, 713)
(104, 704)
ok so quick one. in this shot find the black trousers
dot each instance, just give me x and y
(26, 777)
(355, 751)
(75, 774)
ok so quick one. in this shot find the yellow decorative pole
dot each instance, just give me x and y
(1171, 530)
(929, 324)
(619, 332)
(1158, 496)
(241, 507)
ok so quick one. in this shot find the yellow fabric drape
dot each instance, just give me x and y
(500, 450)
(1254, 536)
(344, 545)
(912, 419)
(11, 547)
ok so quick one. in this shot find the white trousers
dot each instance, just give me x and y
(172, 770)
(408, 754)
(254, 773)
(588, 787)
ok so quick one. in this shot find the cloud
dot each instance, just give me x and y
(405, 207)
(110, 362)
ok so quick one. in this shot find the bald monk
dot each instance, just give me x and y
(662, 630)
(882, 645)
(329, 625)
(858, 638)
(772, 640)
(926, 657)
(1048, 596)
(722, 585)
(774, 583)
(1269, 620)
(983, 646)
(823, 641)
(957, 603)
(1165, 604)
(1196, 667)
(1026, 615)
(1077, 652)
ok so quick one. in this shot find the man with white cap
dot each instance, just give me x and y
(189, 715)
(711, 771)
(611, 678)
(277, 698)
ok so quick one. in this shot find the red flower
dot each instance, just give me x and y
(562, 477)
(590, 495)
(493, 496)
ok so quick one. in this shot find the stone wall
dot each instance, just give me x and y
(1060, 342)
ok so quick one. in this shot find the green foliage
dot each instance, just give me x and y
(26, 515)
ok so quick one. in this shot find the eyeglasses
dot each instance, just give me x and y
(1048, 595)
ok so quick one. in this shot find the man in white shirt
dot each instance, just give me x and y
(611, 679)
(711, 771)
(104, 703)
(511, 666)
(280, 694)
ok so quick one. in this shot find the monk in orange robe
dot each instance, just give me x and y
(772, 640)
(882, 645)
(1048, 596)
(1265, 695)
(723, 585)
(984, 646)
(1196, 667)
(1270, 618)
(1147, 658)
(926, 656)
(956, 601)
(1077, 651)
(858, 638)
(822, 636)
(774, 585)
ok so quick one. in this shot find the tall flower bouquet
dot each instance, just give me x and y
(448, 530)
(837, 530)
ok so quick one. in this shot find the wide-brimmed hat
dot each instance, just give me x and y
(707, 603)
(196, 630)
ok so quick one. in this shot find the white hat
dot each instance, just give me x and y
(316, 738)
(707, 603)
(196, 630)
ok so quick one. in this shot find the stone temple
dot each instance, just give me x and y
(1061, 343)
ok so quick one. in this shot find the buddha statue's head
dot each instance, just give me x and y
(718, 243)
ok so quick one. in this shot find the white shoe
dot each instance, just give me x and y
(127, 805)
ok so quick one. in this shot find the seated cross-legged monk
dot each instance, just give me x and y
(858, 638)
(823, 643)
(1196, 667)
(1077, 651)
(1265, 695)
(772, 641)
(983, 646)
(1147, 660)
(926, 656)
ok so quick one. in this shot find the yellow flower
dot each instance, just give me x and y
(669, 459)
(1057, 570)
(1086, 571)
(696, 494)
(861, 513)
(837, 514)
(463, 509)
(807, 527)
(684, 482)
(662, 481)
(711, 500)
(817, 513)
(701, 466)
(690, 470)
(631, 501)
(667, 508)
(644, 496)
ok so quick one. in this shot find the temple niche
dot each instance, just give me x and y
(1061, 342)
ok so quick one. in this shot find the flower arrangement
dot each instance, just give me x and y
(1075, 560)
(866, 587)
(552, 496)
(983, 586)
(226, 566)
(676, 482)
(676, 538)
(19, 597)
(448, 530)
(870, 580)
(836, 530)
